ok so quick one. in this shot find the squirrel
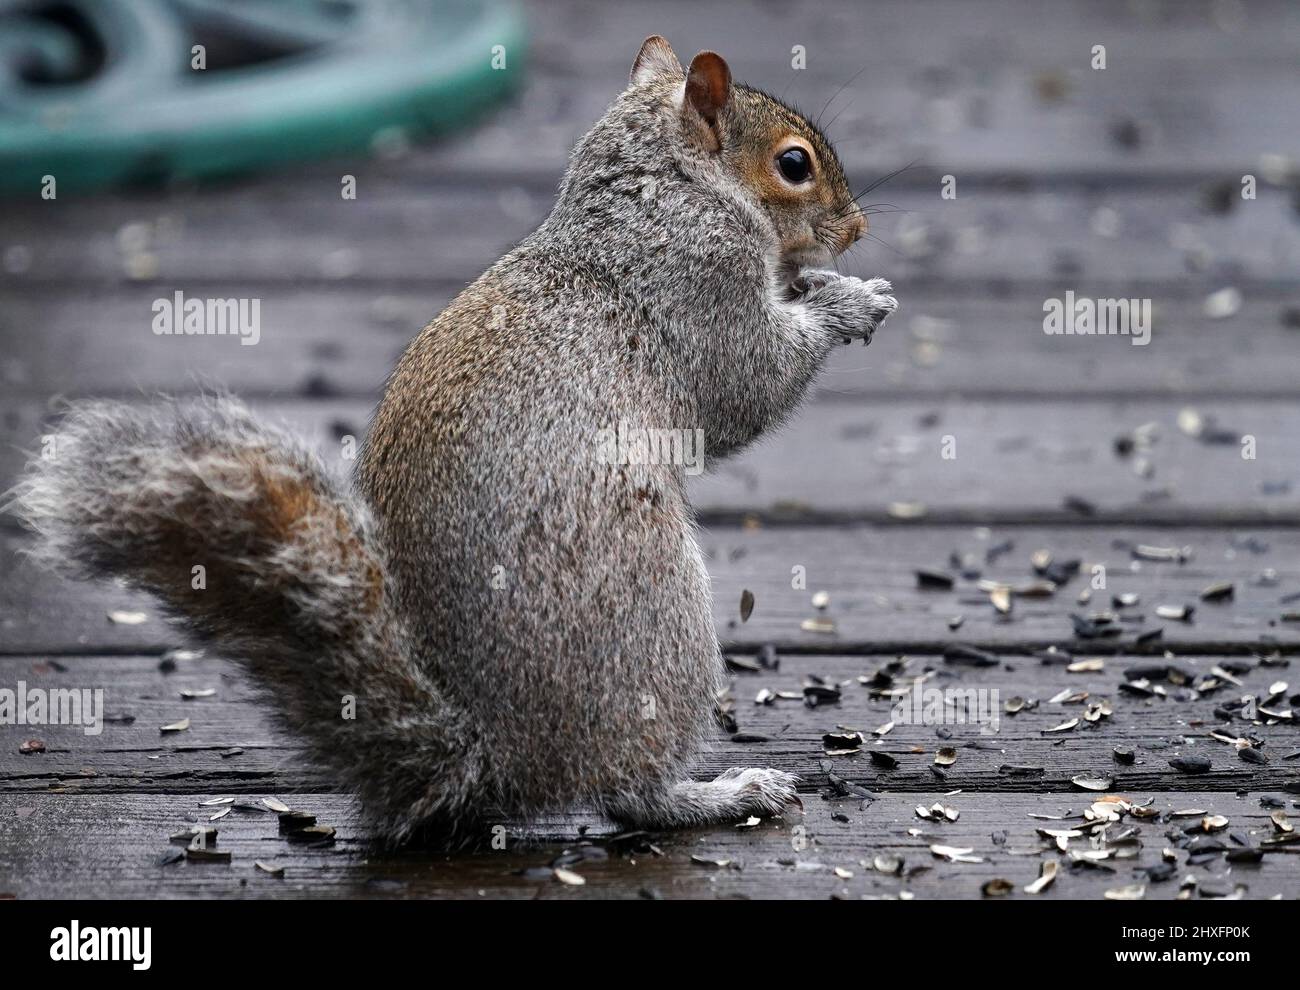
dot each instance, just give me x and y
(524, 625)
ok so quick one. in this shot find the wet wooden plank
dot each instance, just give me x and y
(108, 846)
(998, 461)
(869, 574)
(945, 84)
(970, 461)
(134, 756)
(349, 336)
(297, 229)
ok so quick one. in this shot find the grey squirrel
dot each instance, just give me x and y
(523, 624)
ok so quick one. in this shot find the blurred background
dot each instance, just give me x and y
(349, 167)
(227, 182)
(1030, 162)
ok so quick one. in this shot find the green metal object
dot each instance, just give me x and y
(105, 92)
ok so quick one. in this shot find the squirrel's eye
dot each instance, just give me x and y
(794, 164)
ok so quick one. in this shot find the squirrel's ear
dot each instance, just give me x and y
(708, 88)
(655, 60)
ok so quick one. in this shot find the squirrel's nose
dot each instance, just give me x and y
(859, 225)
(854, 230)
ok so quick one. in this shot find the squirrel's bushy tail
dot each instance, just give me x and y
(292, 582)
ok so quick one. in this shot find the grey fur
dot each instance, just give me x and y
(541, 634)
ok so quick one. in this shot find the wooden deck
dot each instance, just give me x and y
(1122, 182)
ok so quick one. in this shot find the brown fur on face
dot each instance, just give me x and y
(815, 220)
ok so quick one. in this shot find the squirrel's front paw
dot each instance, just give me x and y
(849, 307)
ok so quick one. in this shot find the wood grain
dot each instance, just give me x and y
(135, 756)
(869, 575)
(108, 846)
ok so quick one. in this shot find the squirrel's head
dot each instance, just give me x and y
(774, 154)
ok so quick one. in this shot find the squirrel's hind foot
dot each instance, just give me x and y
(738, 793)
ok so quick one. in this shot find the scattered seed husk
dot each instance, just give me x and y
(270, 869)
(569, 877)
(293, 821)
(843, 743)
(1280, 821)
(887, 863)
(884, 760)
(1224, 675)
(172, 855)
(1035, 589)
(746, 605)
(205, 854)
(937, 813)
(997, 887)
(1060, 836)
(1095, 627)
(946, 756)
(275, 804)
(1179, 613)
(937, 580)
(219, 815)
(1146, 552)
(1092, 782)
(1129, 892)
(907, 510)
(1190, 764)
(192, 694)
(1013, 705)
(180, 726)
(955, 854)
(1251, 755)
(213, 802)
(1014, 770)
(750, 822)
(1097, 711)
(320, 834)
(843, 874)
(817, 625)
(1064, 726)
(1218, 592)
(1124, 754)
(955, 622)
(1244, 854)
(1001, 599)
(128, 618)
(30, 746)
(1089, 666)
(232, 751)
(817, 692)
(1045, 878)
(742, 665)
